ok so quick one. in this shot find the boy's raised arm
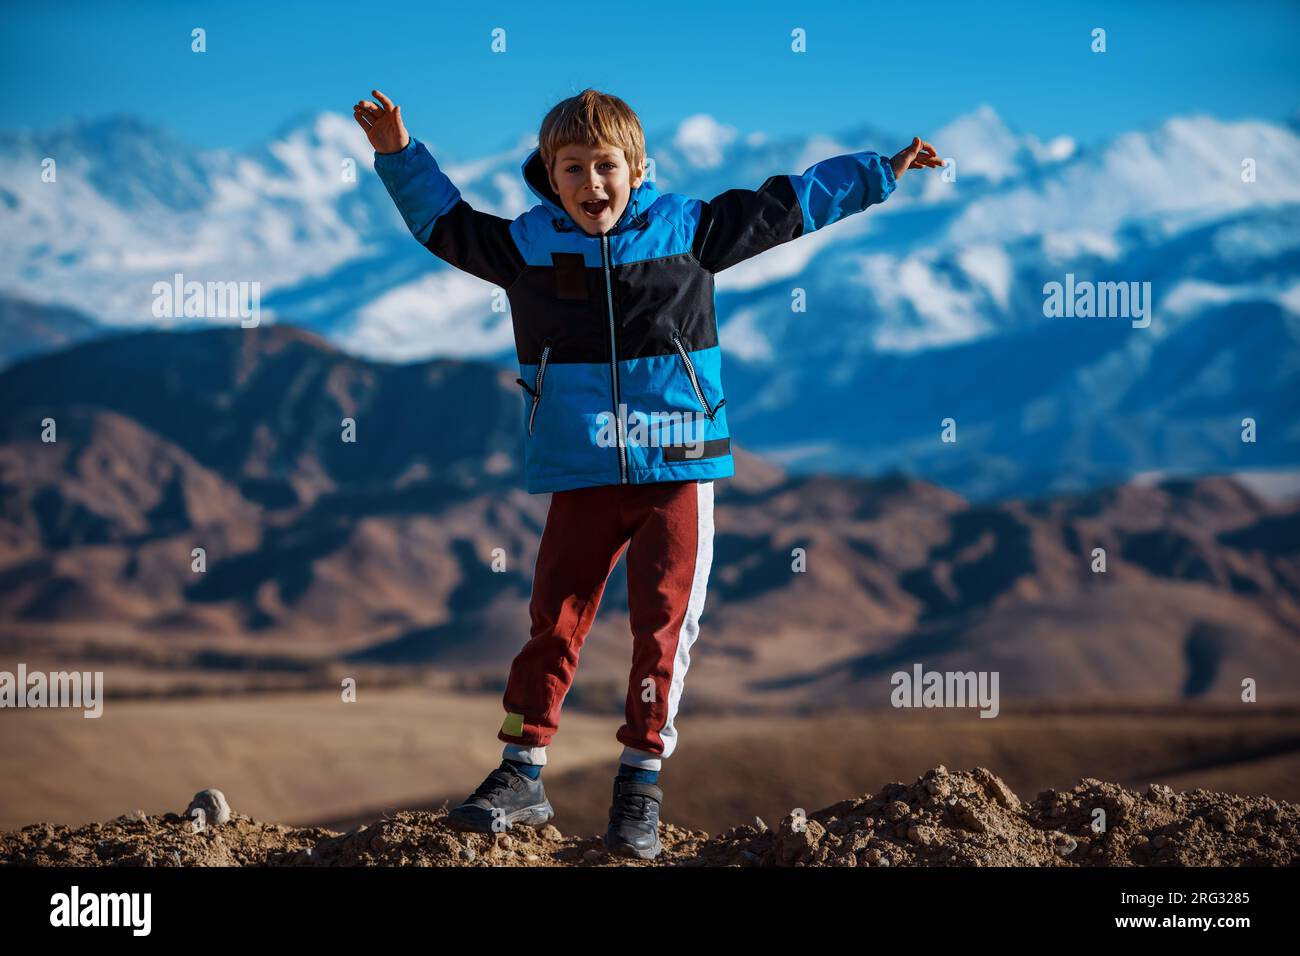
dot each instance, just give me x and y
(431, 205)
(741, 223)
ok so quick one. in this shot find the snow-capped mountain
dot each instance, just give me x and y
(926, 307)
(127, 205)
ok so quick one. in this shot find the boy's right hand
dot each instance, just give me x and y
(382, 123)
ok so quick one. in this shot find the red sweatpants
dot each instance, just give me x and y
(667, 530)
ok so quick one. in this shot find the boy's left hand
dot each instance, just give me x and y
(919, 155)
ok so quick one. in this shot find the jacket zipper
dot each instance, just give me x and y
(537, 395)
(613, 364)
(536, 390)
(695, 382)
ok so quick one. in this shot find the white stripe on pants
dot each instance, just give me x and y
(689, 631)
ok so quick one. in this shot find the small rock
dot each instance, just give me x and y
(551, 832)
(592, 855)
(758, 822)
(467, 853)
(531, 856)
(996, 789)
(136, 816)
(921, 835)
(936, 782)
(1064, 844)
(968, 817)
(795, 847)
(213, 803)
(896, 810)
(1159, 793)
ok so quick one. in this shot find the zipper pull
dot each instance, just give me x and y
(526, 387)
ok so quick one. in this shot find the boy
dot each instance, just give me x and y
(611, 291)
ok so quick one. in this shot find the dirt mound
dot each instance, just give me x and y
(168, 839)
(974, 819)
(943, 819)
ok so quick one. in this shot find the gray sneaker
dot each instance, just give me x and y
(634, 820)
(507, 795)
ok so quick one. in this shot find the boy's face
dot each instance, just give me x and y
(594, 184)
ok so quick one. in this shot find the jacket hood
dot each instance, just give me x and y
(534, 173)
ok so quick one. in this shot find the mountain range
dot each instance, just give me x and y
(926, 308)
(414, 544)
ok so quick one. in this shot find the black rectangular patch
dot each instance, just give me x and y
(693, 451)
(570, 275)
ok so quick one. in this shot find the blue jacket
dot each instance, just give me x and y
(615, 334)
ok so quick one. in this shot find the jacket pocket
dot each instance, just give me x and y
(690, 370)
(536, 390)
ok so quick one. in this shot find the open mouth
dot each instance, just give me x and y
(595, 208)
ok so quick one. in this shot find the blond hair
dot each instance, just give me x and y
(592, 119)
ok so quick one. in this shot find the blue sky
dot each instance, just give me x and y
(906, 67)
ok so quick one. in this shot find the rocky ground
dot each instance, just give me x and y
(945, 818)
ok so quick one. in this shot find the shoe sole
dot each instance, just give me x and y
(537, 815)
(626, 849)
